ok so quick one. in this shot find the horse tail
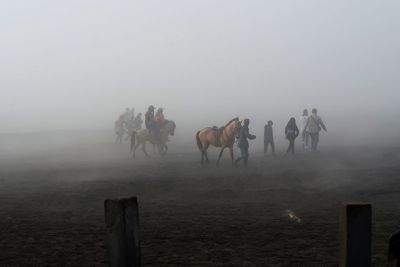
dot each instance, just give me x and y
(199, 144)
(133, 140)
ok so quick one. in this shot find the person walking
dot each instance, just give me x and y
(243, 144)
(137, 122)
(269, 138)
(305, 136)
(314, 126)
(291, 132)
(119, 129)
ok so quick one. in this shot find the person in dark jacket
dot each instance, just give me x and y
(150, 123)
(243, 144)
(291, 132)
(269, 138)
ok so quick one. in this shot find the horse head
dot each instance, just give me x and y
(234, 126)
(170, 127)
(237, 127)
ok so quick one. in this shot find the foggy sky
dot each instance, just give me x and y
(78, 64)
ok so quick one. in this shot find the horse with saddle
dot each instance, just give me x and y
(223, 137)
(157, 131)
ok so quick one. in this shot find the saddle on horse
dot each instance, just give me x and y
(218, 133)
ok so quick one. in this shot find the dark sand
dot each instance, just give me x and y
(51, 206)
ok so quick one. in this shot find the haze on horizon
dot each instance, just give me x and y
(78, 64)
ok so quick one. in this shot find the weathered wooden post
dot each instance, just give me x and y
(394, 249)
(355, 234)
(122, 221)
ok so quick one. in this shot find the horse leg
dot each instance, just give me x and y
(134, 149)
(202, 156)
(220, 154)
(159, 149)
(166, 149)
(231, 152)
(163, 150)
(144, 149)
(206, 152)
(203, 151)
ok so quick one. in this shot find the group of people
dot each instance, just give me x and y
(126, 123)
(309, 128)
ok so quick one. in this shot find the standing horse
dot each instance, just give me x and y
(225, 139)
(144, 136)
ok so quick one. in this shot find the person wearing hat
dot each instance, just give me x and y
(243, 144)
(269, 138)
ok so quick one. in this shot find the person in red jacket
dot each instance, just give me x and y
(159, 117)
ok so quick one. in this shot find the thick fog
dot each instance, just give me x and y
(68, 65)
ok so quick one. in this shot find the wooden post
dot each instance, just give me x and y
(355, 235)
(394, 249)
(122, 222)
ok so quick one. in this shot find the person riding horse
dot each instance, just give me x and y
(137, 122)
(142, 136)
(159, 117)
(150, 122)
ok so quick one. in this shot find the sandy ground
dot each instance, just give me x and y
(51, 206)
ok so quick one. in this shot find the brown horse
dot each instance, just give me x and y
(144, 135)
(208, 136)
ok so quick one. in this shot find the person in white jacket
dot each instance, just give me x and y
(305, 136)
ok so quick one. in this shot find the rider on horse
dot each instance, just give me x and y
(159, 117)
(137, 122)
(154, 122)
(159, 120)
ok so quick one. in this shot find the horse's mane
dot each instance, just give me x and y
(232, 120)
(169, 121)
